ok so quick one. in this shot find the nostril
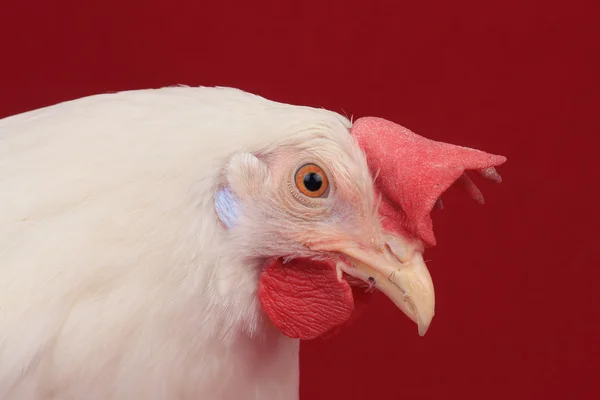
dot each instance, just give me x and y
(397, 250)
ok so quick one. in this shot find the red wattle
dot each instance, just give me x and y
(303, 298)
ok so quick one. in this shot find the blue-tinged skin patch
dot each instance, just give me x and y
(227, 206)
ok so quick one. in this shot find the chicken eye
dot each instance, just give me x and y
(311, 181)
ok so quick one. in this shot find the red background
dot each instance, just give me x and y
(517, 279)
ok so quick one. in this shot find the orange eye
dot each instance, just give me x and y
(311, 181)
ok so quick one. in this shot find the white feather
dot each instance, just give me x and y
(116, 281)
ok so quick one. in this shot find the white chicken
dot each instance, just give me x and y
(177, 243)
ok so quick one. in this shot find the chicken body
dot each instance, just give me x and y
(117, 280)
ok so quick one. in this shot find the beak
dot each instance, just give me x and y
(398, 270)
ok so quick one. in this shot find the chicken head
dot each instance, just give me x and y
(335, 215)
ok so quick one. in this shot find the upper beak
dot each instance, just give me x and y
(398, 270)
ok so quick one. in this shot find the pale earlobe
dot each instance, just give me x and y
(227, 207)
(245, 176)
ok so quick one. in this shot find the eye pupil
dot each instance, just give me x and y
(313, 181)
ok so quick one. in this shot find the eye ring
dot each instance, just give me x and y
(312, 181)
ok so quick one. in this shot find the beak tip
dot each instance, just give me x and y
(423, 329)
(424, 322)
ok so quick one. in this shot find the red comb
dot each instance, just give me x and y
(412, 172)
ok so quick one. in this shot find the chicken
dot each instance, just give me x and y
(177, 243)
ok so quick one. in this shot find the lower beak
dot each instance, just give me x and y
(398, 270)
